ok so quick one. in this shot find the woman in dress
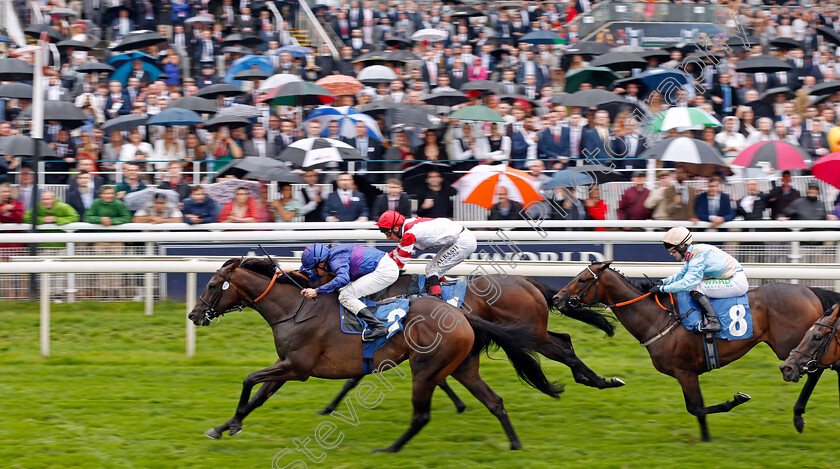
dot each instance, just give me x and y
(242, 209)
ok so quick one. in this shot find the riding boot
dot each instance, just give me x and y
(433, 286)
(375, 328)
(711, 324)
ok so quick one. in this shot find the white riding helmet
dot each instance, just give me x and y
(676, 236)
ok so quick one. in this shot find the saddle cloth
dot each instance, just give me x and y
(734, 315)
(390, 314)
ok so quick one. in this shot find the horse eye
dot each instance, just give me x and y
(581, 280)
(211, 286)
(817, 337)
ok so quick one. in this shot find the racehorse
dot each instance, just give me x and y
(820, 348)
(438, 340)
(781, 315)
(512, 299)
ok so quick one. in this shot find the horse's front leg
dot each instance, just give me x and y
(274, 377)
(690, 383)
(804, 395)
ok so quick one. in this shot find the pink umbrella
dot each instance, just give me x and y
(827, 169)
(778, 154)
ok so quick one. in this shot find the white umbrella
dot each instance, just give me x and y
(136, 200)
(684, 117)
(376, 74)
(430, 35)
(278, 80)
(684, 150)
(479, 185)
(311, 151)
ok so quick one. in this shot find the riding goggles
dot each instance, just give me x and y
(670, 247)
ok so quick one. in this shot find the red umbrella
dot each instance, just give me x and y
(827, 169)
(778, 154)
(341, 85)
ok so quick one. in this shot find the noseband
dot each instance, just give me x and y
(575, 301)
(813, 361)
(210, 307)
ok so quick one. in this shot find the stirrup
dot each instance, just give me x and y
(376, 333)
(709, 326)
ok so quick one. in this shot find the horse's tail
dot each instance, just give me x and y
(519, 343)
(828, 298)
(589, 316)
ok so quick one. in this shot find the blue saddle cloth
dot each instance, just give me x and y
(390, 314)
(453, 293)
(734, 315)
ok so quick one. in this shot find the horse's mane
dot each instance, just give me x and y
(266, 268)
(644, 286)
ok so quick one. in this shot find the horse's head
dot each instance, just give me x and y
(219, 296)
(583, 289)
(820, 348)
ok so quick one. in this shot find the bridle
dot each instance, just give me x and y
(210, 307)
(812, 364)
(575, 301)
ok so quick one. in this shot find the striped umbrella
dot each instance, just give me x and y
(299, 93)
(276, 81)
(347, 119)
(778, 154)
(340, 85)
(479, 185)
(311, 151)
(684, 150)
(677, 117)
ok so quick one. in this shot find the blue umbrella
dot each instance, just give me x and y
(123, 65)
(654, 77)
(247, 63)
(176, 116)
(542, 37)
(347, 119)
(297, 52)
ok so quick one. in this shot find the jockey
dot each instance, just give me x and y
(455, 241)
(708, 272)
(359, 271)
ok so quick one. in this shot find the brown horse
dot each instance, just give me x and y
(781, 314)
(438, 340)
(820, 348)
(526, 302)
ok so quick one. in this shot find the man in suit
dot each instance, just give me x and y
(286, 65)
(345, 204)
(680, 199)
(226, 15)
(760, 108)
(528, 66)
(430, 69)
(357, 42)
(524, 144)
(310, 195)
(208, 76)
(458, 74)
(286, 136)
(118, 103)
(435, 201)
(246, 22)
(205, 49)
(553, 146)
(713, 205)
(395, 199)
(530, 88)
(366, 146)
(341, 26)
(815, 141)
(122, 25)
(345, 63)
(594, 141)
(325, 62)
(628, 148)
(259, 145)
(724, 98)
(752, 205)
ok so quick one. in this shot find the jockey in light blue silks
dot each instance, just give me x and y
(359, 271)
(707, 273)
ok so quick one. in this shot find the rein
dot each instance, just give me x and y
(228, 283)
(813, 364)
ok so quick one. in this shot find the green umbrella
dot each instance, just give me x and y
(477, 113)
(596, 76)
(299, 93)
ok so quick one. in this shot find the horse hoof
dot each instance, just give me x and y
(460, 408)
(617, 382)
(213, 433)
(799, 423)
(515, 446)
(741, 397)
(324, 411)
(384, 450)
(235, 429)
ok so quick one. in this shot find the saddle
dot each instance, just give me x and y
(734, 315)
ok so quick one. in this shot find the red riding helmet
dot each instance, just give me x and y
(390, 220)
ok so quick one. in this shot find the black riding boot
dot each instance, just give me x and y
(433, 286)
(375, 328)
(713, 325)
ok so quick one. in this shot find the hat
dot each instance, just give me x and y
(207, 65)
(79, 25)
(813, 185)
(638, 174)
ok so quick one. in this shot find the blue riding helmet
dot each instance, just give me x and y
(313, 255)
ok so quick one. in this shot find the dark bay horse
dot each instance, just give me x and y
(781, 315)
(818, 351)
(513, 299)
(438, 340)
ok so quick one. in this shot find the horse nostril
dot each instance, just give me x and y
(191, 317)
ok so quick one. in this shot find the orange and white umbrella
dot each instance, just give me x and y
(479, 185)
(341, 85)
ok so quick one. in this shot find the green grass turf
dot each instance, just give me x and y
(118, 392)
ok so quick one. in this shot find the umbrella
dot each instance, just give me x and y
(619, 61)
(138, 40)
(769, 96)
(414, 178)
(479, 185)
(512, 98)
(15, 70)
(264, 169)
(6, 39)
(194, 103)
(587, 98)
(376, 74)
(399, 56)
(585, 175)
(627, 81)
(123, 65)
(628, 48)
(654, 78)
(477, 113)
(347, 119)
(763, 63)
(220, 89)
(744, 42)
(276, 81)
(16, 91)
(251, 75)
(237, 49)
(429, 35)
(228, 121)
(176, 116)
(241, 39)
(446, 98)
(777, 154)
(299, 93)
(676, 117)
(380, 106)
(224, 191)
(376, 56)
(125, 123)
(590, 48)
(829, 87)
(827, 169)
(63, 12)
(398, 42)
(465, 12)
(658, 54)
(297, 52)
(830, 34)
(247, 63)
(201, 19)
(136, 200)
(240, 110)
(35, 31)
(684, 150)
(340, 85)
(77, 45)
(787, 43)
(95, 67)
(61, 111)
(542, 37)
(312, 151)
(481, 85)
(596, 76)
(416, 116)
(24, 146)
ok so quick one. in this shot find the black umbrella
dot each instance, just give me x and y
(786, 43)
(829, 87)
(221, 89)
(512, 98)
(35, 31)
(446, 98)
(138, 40)
(658, 54)
(15, 70)
(236, 50)
(498, 53)
(617, 61)
(375, 56)
(77, 45)
(416, 116)
(743, 41)
(588, 48)
(127, 122)
(480, 85)
(763, 63)
(22, 145)
(465, 12)
(769, 96)
(830, 34)
(242, 39)
(379, 106)
(250, 75)
(414, 178)
(194, 103)
(399, 56)
(590, 98)
(627, 81)
(61, 111)
(95, 67)
(226, 120)
(397, 41)
(265, 169)
(16, 91)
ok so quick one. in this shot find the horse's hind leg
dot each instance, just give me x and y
(804, 395)
(467, 374)
(421, 398)
(459, 404)
(690, 384)
(235, 426)
(348, 385)
(559, 348)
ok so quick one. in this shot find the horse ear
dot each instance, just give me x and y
(236, 264)
(607, 263)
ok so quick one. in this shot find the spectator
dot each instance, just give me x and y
(809, 207)
(430, 149)
(224, 148)
(400, 151)
(286, 207)
(345, 204)
(83, 193)
(505, 209)
(26, 187)
(395, 199)
(173, 180)
(310, 195)
(198, 208)
(657, 201)
(258, 145)
(631, 206)
(713, 205)
(367, 146)
(107, 210)
(131, 180)
(752, 206)
(168, 149)
(781, 196)
(498, 146)
(435, 201)
(242, 209)
(52, 210)
(57, 167)
(158, 210)
(596, 209)
(524, 144)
